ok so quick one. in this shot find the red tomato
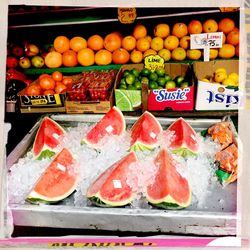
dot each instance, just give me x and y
(47, 83)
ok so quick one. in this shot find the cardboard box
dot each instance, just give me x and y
(212, 96)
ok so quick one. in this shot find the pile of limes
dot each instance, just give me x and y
(159, 79)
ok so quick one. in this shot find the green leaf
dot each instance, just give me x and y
(204, 133)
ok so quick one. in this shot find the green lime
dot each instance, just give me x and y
(125, 73)
(134, 97)
(160, 71)
(145, 72)
(137, 84)
(185, 85)
(123, 86)
(161, 81)
(122, 81)
(130, 79)
(131, 87)
(153, 85)
(170, 85)
(122, 101)
(153, 76)
(135, 72)
(179, 80)
(144, 79)
(167, 78)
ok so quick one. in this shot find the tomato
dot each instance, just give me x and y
(47, 83)
(57, 76)
(67, 81)
(49, 92)
(60, 88)
(33, 89)
(42, 76)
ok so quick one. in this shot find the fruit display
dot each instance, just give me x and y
(92, 85)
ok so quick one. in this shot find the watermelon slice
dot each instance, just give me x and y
(185, 140)
(111, 189)
(47, 138)
(57, 182)
(113, 123)
(145, 132)
(169, 189)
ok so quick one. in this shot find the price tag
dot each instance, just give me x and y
(153, 62)
(126, 15)
(206, 41)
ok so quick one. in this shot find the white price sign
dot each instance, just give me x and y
(206, 41)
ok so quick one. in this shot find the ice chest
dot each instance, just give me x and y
(212, 96)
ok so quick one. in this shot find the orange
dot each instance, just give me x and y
(142, 44)
(237, 50)
(129, 43)
(120, 56)
(139, 31)
(213, 53)
(57, 76)
(193, 54)
(149, 38)
(178, 54)
(77, 43)
(195, 27)
(171, 42)
(61, 44)
(149, 52)
(103, 57)
(157, 43)
(47, 83)
(112, 42)
(233, 38)
(86, 57)
(209, 26)
(95, 42)
(118, 33)
(179, 30)
(165, 54)
(136, 56)
(227, 51)
(226, 25)
(223, 38)
(162, 30)
(69, 58)
(53, 59)
(60, 88)
(185, 42)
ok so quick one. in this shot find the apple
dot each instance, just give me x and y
(11, 62)
(37, 61)
(31, 50)
(17, 51)
(24, 62)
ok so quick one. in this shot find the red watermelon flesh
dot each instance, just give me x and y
(58, 181)
(113, 123)
(145, 132)
(169, 189)
(111, 187)
(47, 138)
(185, 140)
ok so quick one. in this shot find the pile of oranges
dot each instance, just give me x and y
(168, 42)
(47, 84)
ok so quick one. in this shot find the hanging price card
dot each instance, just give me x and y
(154, 62)
(126, 15)
(206, 41)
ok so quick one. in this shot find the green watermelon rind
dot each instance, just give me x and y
(47, 153)
(184, 152)
(138, 146)
(167, 205)
(222, 175)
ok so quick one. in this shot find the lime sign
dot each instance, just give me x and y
(154, 62)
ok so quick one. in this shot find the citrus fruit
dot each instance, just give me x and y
(167, 78)
(129, 43)
(135, 72)
(61, 44)
(184, 85)
(134, 97)
(130, 79)
(193, 54)
(69, 58)
(77, 43)
(57, 76)
(103, 57)
(195, 27)
(126, 72)
(233, 38)
(144, 79)
(33, 89)
(178, 54)
(185, 42)
(179, 80)
(157, 43)
(171, 42)
(226, 25)
(47, 83)
(220, 70)
(95, 42)
(237, 50)
(122, 101)
(112, 42)
(209, 26)
(149, 38)
(60, 88)
(142, 44)
(227, 51)
(120, 56)
(138, 84)
(160, 71)
(86, 57)
(118, 33)
(234, 76)
(224, 38)
(139, 31)
(136, 56)
(229, 82)
(161, 81)
(165, 54)
(161, 30)
(213, 53)
(179, 30)
(53, 59)
(145, 72)
(153, 85)
(131, 87)
(220, 76)
(153, 76)
(149, 52)
(170, 85)
(205, 80)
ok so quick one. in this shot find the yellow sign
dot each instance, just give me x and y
(39, 102)
(154, 62)
(126, 15)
